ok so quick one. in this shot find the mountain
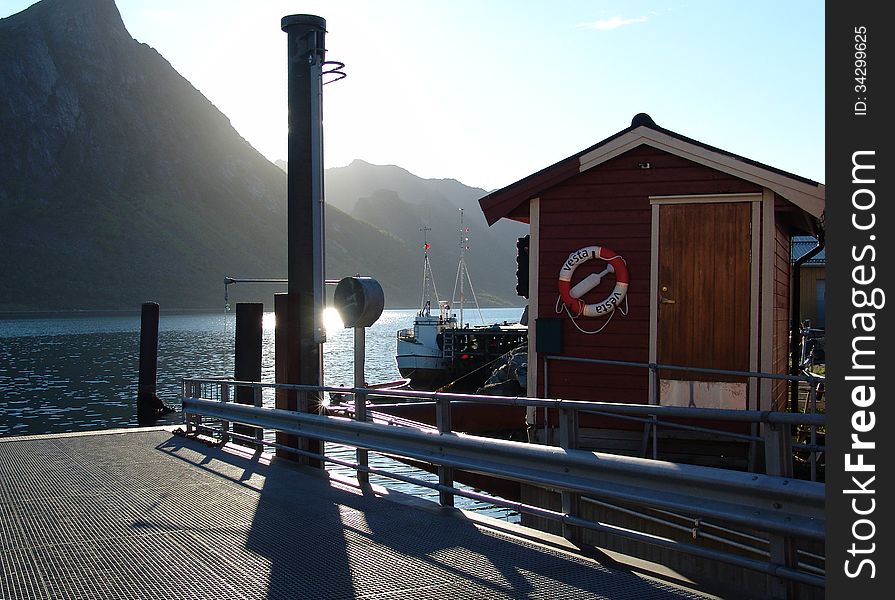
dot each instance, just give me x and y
(398, 202)
(121, 183)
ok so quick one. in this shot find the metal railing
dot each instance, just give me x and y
(652, 421)
(783, 508)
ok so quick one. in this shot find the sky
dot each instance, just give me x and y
(490, 91)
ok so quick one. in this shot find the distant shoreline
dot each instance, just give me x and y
(57, 314)
(48, 314)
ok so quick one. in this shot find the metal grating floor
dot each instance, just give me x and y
(145, 514)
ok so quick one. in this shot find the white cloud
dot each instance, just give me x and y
(612, 23)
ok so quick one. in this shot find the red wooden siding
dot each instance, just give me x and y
(781, 314)
(609, 206)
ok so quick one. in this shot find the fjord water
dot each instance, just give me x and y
(80, 373)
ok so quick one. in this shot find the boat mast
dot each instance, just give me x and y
(462, 266)
(428, 276)
(463, 272)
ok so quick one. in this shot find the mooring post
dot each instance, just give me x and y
(249, 334)
(299, 329)
(148, 402)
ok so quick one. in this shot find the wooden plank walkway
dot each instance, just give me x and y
(147, 514)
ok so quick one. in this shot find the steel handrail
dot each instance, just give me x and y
(768, 567)
(768, 503)
(782, 507)
(656, 366)
(709, 414)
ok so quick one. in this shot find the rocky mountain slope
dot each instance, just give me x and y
(400, 203)
(120, 183)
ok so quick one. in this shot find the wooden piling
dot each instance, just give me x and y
(149, 406)
(249, 334)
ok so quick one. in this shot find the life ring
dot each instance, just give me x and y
(571, 297)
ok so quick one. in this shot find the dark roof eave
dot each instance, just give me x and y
(501, 203)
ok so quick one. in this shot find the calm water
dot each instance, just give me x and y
(80, 373)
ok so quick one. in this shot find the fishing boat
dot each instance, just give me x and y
(441, 350)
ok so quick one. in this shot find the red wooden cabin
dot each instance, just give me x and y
(705, 236)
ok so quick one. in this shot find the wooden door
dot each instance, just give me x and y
(704, 293)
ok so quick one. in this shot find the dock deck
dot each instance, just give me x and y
(148, 514)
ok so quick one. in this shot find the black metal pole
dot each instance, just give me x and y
(306, 51)
(299, 357)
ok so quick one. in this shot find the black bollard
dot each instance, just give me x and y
(149, 405)
(249, 332)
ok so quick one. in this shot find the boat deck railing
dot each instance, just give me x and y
(789, 513)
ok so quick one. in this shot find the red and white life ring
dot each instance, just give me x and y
(571, 297)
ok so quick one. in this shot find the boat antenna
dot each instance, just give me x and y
(463, 273)
(428, 276)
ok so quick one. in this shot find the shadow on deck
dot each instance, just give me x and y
(146, 514)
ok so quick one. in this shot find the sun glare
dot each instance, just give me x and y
(332, 320)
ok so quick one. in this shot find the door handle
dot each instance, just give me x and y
(663, 299)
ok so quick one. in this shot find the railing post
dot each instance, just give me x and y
(259, 431)
(778, 462)
(752, 456)
(546, 439)
(752, 460)
(225, 425)
(654, 425)
(445, 474)
(644, 440)
(360, 400)
(185, 390)
(812, 405)
(568, 439)
(193, 390)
